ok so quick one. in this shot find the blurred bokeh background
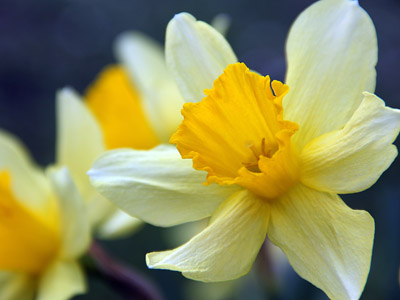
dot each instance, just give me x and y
(48, 44)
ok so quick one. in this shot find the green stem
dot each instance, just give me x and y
(127, 282)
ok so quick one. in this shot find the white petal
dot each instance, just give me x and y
(15, 286)
(29, 184)
(331, 58)
(221, 23)
(98, 209)
(61, 281)
(145, 63)
(196, 55)
(118, 225)
(157, 186)
(74, 221)
(326, 242)
(352, 159)
(227, 248)
(79, 137)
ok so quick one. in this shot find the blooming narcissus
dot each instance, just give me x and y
(131, 105)
(43, 229)
(277, 155)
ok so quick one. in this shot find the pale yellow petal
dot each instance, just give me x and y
(98, 208)
(61, 281)
(144, 60)
(118, 225)
(79, 137)
(157, 186)
(221, 23)
(79, 142)
(75, 228)
(29, 184)
(326, 242)
(16, 286)
(352, 159)
(196, 55)
(227, 248)
(331, 58)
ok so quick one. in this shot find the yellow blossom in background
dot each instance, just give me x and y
(43, 228)
(135, 104)
(116, 105)
(276, 155)
(119, 110)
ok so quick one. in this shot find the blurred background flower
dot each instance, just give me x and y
(46, 45)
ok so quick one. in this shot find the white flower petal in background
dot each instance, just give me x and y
(36, 244)
(61, 281)
(221, 23)
(118, 225)
(74, 220)
(144, 60)
(15, 286)
(29, 183)
(79, 141)
(79, 137)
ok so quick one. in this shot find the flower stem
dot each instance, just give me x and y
(122, 279)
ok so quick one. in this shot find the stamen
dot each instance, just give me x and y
(252, 147)
(263, 147)
(253, 166)
(269, 153)
(249, 165)
(254, 150)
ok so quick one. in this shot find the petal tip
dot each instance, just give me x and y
(184, 16)
(67, 93)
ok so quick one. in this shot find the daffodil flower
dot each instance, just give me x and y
(131, 105)
(43, 229)
(276, 155)
(134, 104)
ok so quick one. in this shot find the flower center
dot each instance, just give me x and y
(27, 244)
(267, 152)
(237, 134)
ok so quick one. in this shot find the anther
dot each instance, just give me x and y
(252, 147)
(263, 147)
